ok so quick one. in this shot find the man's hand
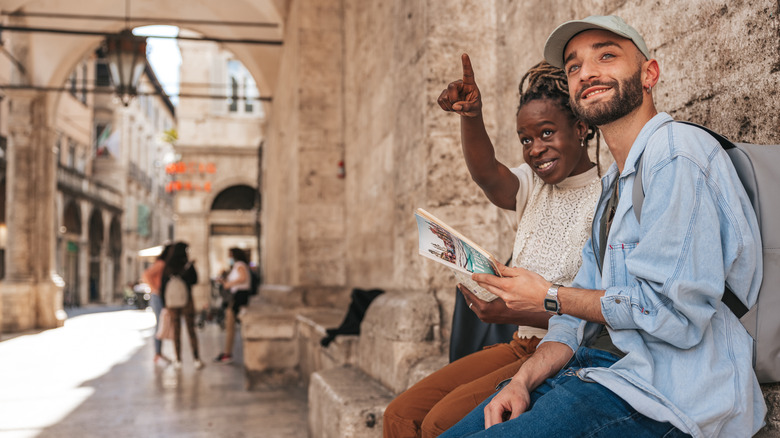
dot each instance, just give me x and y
(515, 397)
(497, 312)
(462, 96)
(520, 288)
(508, 404)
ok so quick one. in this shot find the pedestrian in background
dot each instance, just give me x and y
(179, 270)
(238, 282)
(152, 276)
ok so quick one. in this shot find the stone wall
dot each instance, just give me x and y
(720, 61)
(303, 196)
(366, 75)
(359, 80)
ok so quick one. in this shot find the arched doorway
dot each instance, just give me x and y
(95, 249)
(232, 223)
(115, 253)
(71, 229)
(238, 197)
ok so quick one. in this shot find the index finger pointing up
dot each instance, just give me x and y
(468, 72)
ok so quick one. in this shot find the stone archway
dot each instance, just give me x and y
(46, 62)
(71, 230)
(237, 197)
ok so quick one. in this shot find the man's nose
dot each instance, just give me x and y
(588, 70)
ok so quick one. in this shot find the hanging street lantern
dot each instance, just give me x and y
(126, 54)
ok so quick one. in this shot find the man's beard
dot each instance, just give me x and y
(628, 97)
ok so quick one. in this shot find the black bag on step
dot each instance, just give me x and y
(357, 310)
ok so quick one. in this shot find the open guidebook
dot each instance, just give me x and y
(440, 242)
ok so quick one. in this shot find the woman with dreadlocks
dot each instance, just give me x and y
(551, 199)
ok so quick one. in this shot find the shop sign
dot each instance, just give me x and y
(194, 168)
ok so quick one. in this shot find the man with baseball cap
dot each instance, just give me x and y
(642, 344)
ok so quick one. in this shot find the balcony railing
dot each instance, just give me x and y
(138, 175)
(78, 184)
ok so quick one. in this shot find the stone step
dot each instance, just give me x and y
(346, 403)
(311, 328)
(269, 344)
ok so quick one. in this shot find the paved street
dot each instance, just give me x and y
(95, 378)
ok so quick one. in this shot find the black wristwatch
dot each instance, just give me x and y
(551, 302)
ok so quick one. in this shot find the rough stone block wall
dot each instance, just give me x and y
(359, 81)
(364, 77)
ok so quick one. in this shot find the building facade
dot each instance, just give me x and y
(108, 198)
(132, 149)
(216, 187)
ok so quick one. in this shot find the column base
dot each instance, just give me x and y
(26, 305)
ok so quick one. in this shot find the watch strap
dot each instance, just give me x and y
(551, 302)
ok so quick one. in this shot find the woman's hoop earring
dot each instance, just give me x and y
(582, 142)
(649, 88)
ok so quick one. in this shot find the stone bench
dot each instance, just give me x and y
(355, 377)
(311, 328)
(269, 346)
(399, 344)
(281, 331)
(345, 402)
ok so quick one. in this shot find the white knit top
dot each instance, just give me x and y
(553, 223)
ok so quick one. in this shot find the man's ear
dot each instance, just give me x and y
(651, 72)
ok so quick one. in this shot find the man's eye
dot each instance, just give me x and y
(607, 56)
(572, 68)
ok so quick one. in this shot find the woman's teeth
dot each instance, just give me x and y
(544, 165)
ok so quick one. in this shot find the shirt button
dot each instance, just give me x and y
(617, 300)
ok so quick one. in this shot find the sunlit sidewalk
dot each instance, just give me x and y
(95, 378)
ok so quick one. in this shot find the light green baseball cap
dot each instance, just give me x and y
(560, 37)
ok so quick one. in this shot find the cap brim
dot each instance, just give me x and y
(560, 37)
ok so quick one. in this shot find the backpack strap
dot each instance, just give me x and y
(638, 192)
(638, 197)
(733, 303)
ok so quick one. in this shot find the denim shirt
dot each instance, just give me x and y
(688, 359)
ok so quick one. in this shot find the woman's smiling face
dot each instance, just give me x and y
(551, 140)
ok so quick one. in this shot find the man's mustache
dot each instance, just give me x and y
(612, 84)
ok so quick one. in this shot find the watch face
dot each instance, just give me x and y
(550, 305)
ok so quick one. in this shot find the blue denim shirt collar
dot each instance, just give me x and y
(639, 145)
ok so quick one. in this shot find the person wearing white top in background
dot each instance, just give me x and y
(238, 282)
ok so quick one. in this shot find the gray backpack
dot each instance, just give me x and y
(176, 293)
(758, 168)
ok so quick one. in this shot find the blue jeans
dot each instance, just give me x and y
(566, 406)
(157, 306)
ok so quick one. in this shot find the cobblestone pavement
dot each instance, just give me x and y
(95, 378)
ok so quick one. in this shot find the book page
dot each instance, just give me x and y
(440, 243)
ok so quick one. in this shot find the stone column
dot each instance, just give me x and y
(28, 293)
(304, 199)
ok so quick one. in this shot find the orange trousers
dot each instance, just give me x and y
(440, 400)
